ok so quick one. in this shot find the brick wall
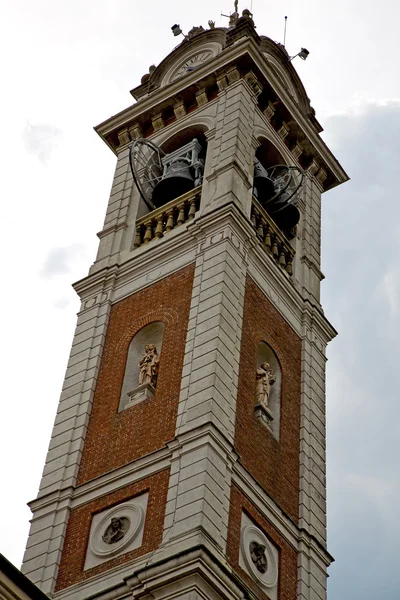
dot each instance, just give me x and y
(77, 535)
(114, 439)
(287, 582)
(274, 464)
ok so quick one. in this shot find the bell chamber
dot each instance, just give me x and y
(277, 189)
(161, 177)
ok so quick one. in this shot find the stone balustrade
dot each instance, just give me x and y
(272, 238)
(161, 221)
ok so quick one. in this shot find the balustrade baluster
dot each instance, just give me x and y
(138, 238)
(253, 218)
(170, 220)
(159, 227)
(148, 236)
(274, 248)
(260, 228)
(282, 257)
(192, 209)
(181, 215)
(289, 265)
(267, 239)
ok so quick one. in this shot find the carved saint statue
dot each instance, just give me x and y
(116, 530)
(257, 553)
(265, 378)
(148, 366)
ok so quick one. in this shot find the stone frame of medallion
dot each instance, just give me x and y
(153, 333)
(269, 581)
(97, 551)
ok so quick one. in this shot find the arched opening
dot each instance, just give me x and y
(173, 171)
(141, 369)
(275, 186)
(268, 154)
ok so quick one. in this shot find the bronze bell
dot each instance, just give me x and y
(177, 181)
(263, 186)
(287, 218)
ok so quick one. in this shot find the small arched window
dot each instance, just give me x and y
(268, 384)
(142, 364)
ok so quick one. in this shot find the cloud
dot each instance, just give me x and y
(41, 140)
(59, 261)
(361, 295)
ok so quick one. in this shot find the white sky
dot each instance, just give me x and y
(66, 66)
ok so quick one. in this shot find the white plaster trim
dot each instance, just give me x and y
(141, 468)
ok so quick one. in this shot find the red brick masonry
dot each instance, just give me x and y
(114, 439)
(274, 464)
(287, 582)
(76, 539)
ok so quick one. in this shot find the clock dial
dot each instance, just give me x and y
(191, 64)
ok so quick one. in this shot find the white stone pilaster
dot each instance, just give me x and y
(230, 156)
(49, 523)
(112, 236)
(199, 489)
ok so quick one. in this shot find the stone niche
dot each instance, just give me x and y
(116, 530)
(268, 412)
(133, 389)
(259, 557)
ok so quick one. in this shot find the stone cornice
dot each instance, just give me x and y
(239, 49)
(153, 261)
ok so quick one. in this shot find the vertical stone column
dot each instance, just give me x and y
(312, 434)
(116, 219)
(310, 256)
(199, 488)
(51, 509)
(230, 159)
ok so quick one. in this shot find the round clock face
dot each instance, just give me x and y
(192, 63)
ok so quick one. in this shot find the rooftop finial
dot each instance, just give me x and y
(235, 15)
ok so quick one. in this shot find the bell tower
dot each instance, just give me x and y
(187, 458)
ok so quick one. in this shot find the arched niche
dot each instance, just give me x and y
(133, 390)
(268, 405)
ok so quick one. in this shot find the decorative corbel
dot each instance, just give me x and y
(284, 130)
(269, 111)
(233, 75)
(321, 175)
(253, 82)
(135, 132)
(157, 122)
(222, 82)
(123, 137)
(180, 110)
(313, 168)
(201, 97)
(298, 150)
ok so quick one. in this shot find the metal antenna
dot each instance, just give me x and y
(284, 33)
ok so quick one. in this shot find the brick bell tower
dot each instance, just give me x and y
(187, 458)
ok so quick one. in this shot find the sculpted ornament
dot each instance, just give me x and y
(148, 366)
(116, 530)
(265, 378)
(257, 553)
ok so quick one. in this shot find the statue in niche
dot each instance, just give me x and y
(265, 378)
(257, 553)
(148, 366)
(116, 530)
